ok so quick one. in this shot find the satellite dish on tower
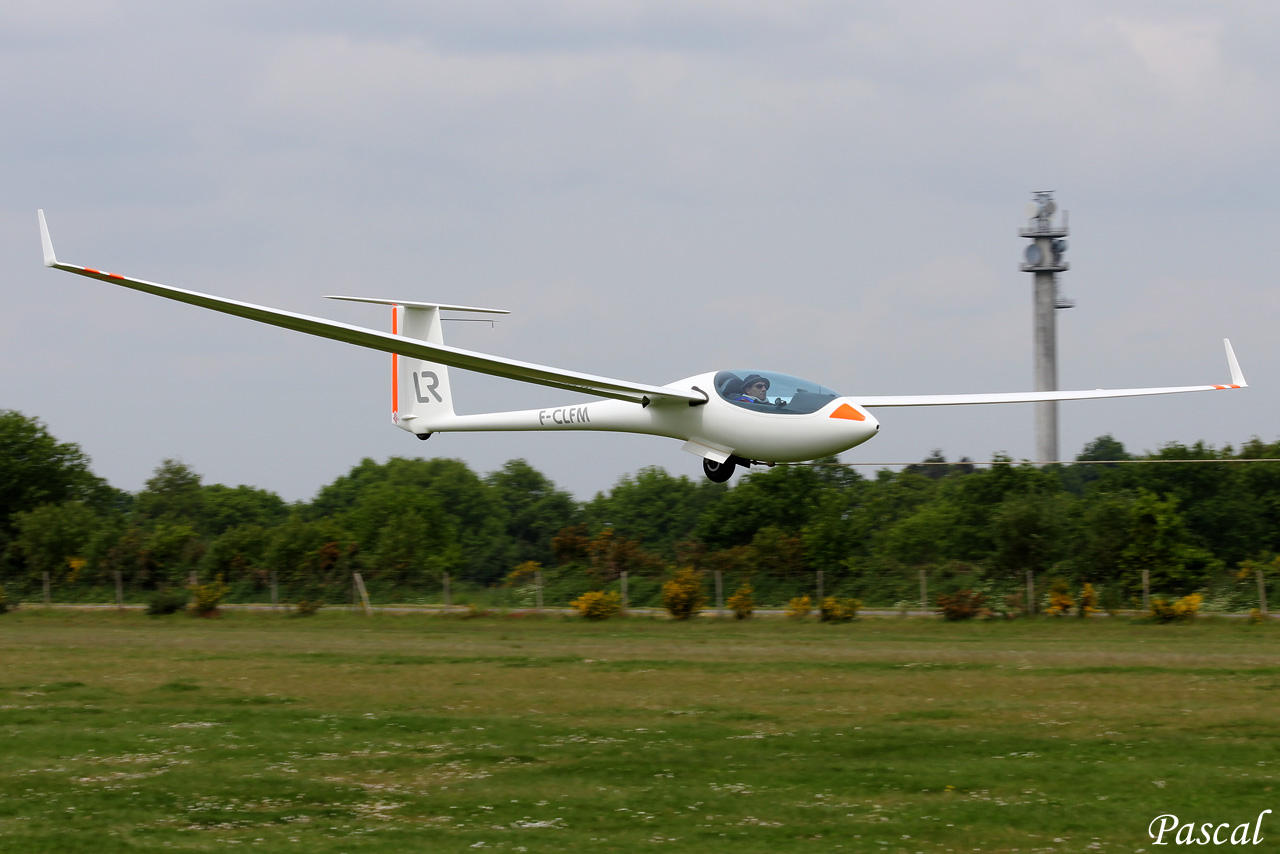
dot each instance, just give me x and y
(1049, 207)
(1033, 210)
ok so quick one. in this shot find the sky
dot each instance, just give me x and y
(654, 189)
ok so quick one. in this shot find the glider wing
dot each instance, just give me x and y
(454, 357)
(1237, 381)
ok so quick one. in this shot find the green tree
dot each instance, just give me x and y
(172, 552)
(226, 508)
(37, 469)
(172, 493)
(413, 550)
(654, 507)
(1029, 531)
(535, 511)
(1159, 542)
(784, 497)
(310, 556)
(52, 536)
(367, 498)
(238, 555)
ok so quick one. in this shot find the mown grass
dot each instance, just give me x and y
(341, 733)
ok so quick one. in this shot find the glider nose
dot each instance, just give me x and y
(855, 416)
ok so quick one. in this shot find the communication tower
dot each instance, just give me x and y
(1043, 259)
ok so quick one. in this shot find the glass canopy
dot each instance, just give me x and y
(772, 392)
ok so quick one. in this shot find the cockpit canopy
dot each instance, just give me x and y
(783, 394)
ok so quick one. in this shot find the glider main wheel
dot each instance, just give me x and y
(718, 472)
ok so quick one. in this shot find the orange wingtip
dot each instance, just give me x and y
(846, 411)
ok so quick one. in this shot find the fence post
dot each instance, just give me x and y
(1031, 592)
(924, 592)
(119, 591)
(623, 577)
(719, 594)
(537, 591)
(1146, 590)
(448, 595)
(193, 579)
(1262, 593)
(819, 588)
(46, 588)
(275, 592)
(364, 594)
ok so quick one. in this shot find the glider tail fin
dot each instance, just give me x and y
(421, 396)
(421, 399)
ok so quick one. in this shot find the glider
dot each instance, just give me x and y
(728, 418)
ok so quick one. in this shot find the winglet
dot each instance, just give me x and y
(1237, 377)
(49, 259)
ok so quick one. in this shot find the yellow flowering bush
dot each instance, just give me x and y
(1088, 601)
(799, 608)
(1180, 610)
(1060, 599)
(683, 596)
(743, 602)
(205, 598)
(598, 605)
(834, 610)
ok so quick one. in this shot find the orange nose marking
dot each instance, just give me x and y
(844, 410)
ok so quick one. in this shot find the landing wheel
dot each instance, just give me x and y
(718, 472)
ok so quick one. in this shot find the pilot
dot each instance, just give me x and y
(755, 389)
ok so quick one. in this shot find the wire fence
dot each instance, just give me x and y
(917, 593)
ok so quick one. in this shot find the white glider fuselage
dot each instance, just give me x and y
(714, 426)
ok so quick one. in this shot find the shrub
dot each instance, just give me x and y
(205, 598)
(1180, 610)
(683, 596)
(598, 605)
(1256, 618)
(799, 607)
(743, 602)
(835, 610)
(1088, 602)
(307, 607)
(1060, 599)
(4, 601)
(168, 600)
(963, 605)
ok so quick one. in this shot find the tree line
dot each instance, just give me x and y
(406, 523)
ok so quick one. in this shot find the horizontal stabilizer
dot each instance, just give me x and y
(412, 304)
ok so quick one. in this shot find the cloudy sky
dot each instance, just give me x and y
(655, 189)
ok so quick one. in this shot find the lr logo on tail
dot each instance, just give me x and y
(431, 382)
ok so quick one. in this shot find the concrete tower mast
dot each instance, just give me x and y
(1044, 261)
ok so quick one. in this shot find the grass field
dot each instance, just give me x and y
(341, 733)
